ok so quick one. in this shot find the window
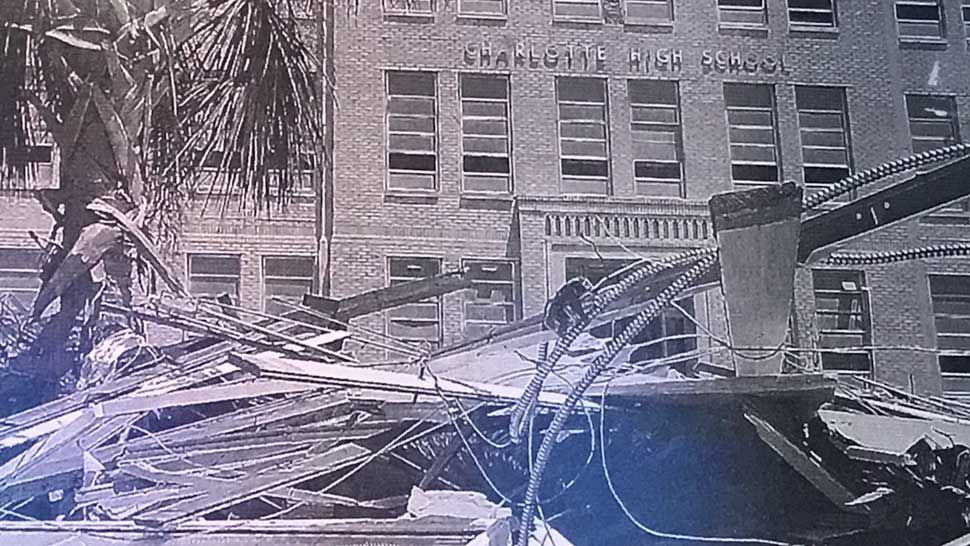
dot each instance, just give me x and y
(824, 129)
(919, 20)
(491, 302)
(843, 319)
(287, 278)
(486, 165)
(409, 7)
(811, 13)
(20, 274)
(742, 13)
(655, 124)
(671, 321)
(950, 296)
(584, 158)
(482, 8)
(412, 160)
(649, 11)
(415, 322)
(932, 121)
(966, 19)
(213, 275)
(752, 132)
(582, 10)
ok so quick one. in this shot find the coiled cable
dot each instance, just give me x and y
(891, 256)
(603, 298)
(885, 170)
(670, 293)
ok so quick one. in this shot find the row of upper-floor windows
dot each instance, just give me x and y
(843, 324)
(915, 19)
(655, 133)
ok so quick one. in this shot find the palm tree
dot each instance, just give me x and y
(137, 96)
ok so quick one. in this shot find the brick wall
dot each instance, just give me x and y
(863, 57)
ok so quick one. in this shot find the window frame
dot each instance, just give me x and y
(667, 21)
(608, 178)
(965, 17)
(846, 132)
(264, 277)
(513, 282)
(189, 275)
(406, 11)
(940, 21)
(953, 119)
(437, 300)
(575, 19)
(678, 131)
(943, 353)
(436, 113)
(483, 15)
(738, 9)
(801, 25)
(776, 144)
(864, 312)
(510, 183)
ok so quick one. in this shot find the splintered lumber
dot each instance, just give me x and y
(804, 465)
(319, 404)
(430, 531)
(278, 367)
(392, 296)
(891, 436)
(252, 487)
(757, 234)
(204, 395)
(808, 387)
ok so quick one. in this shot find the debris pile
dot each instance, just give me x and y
(256, 420)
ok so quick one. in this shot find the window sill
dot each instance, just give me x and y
(404, 17)
(484, 19)
(577, 23)
(922, 43)
(757, 31)
(659, 26)
(411, 197)
(821, 33)
(486, 201)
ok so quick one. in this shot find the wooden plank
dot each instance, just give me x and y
(430, 531)
(277, 367)
(813, 387)
(261, 416)
(804, 465)
(440, 461)
(274, 436)
(239, 491)
(204, 395)
(401, 294)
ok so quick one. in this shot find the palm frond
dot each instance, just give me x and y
(247, 101)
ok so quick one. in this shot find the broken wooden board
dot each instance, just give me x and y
(804, 465)
(277, 367)
(891, 436)
(432, 531)
(389, 297)
(240, 490)
(757, 233)
(810, 388)
(202, 395)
